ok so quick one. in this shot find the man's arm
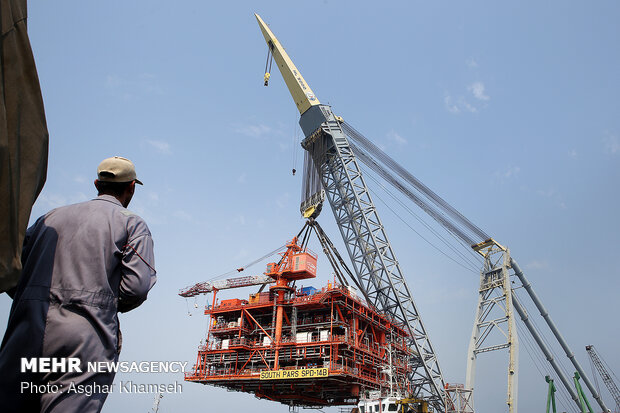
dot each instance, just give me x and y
(138, 272)
(26, 248)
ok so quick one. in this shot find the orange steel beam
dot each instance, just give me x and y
(211, 318)
(244, 311)
(365, 327)
(241, 322)
(261, 356)
(340, 314)
(215, 290)
(374, 334)
(259, 326)
(286, 318)
(249, 358)
(331, 332)
(278, 333)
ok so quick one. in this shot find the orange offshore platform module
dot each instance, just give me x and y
(302, 346)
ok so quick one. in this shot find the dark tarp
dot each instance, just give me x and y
(23, 138)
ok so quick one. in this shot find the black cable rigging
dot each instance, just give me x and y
(437, 215)
(465, 263)
(425, 198)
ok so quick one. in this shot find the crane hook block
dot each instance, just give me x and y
(267, 76)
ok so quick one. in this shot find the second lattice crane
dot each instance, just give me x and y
(605, 375)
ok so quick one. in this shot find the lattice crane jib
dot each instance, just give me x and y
(607, 378)
(371, 253)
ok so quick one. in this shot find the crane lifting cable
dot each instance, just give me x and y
(465, 262)
(312, 194)
(436, 214)
(335, 259)
(268, 65)
(242, 268)
(465, 256)
(445, 208)
(256, 261)
(341, 270)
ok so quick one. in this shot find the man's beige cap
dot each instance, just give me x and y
(117, 169)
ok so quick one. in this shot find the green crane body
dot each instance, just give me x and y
(550, 394)
(582, 397)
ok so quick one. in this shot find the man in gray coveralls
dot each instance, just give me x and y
(82, 264)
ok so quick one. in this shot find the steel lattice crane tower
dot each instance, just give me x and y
(373, 258)
(334, 148)
(607, 379)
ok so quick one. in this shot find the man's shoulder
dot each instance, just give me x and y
(85, 206)
(70, 209)
(131, 219)
(106, 205)
(136, 225)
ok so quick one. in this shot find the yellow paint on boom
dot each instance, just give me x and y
(300, 91)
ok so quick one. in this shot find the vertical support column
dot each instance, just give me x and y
(278, 316)
(294, 322)
(494, 325)
(513, 340)
(273, 314)
(211, 320)
(278, 336)
(470, 377)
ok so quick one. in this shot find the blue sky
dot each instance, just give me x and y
(508, 111)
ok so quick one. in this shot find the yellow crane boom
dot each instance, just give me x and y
(300, 91)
